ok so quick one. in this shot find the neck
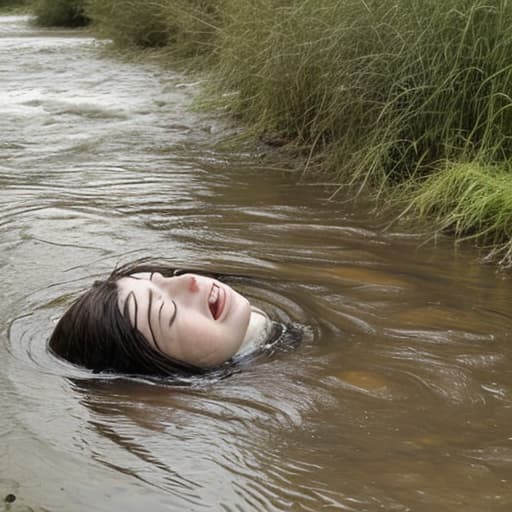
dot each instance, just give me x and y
(257, 332)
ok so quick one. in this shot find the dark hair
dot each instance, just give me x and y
(95, 334)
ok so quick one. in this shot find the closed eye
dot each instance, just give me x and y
(173, 313)
(173, 316)
(150, 302)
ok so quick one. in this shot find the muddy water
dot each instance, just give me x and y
(399, 398)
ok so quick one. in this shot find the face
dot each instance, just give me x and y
(190, 318)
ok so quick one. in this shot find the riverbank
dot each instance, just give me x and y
(408, 101)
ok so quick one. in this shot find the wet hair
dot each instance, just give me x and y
(95, 334)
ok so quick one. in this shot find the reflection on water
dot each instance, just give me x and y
(398, 399)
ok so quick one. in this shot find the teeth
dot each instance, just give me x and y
(214, 294)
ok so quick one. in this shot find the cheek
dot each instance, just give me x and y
(196, 336)
(197, 333)
(206, 342)
(201, 340)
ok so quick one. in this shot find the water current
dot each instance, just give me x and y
(398, 399)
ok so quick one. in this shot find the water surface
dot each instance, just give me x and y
(399, 398)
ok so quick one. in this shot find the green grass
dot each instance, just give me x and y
(469, 200)
(130, 23)
(386, 89)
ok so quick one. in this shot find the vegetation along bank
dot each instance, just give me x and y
(410, 99)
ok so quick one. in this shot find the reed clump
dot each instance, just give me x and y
(185, 28)
(131, 23)
(471, 201)
(60, 13)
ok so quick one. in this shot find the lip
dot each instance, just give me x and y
(221, 301)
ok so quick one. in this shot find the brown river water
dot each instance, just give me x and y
(398, 399)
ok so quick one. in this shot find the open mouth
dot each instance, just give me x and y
(216, 301)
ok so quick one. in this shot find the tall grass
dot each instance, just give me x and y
(386, 89)
(471, 201)
(131, 23)
(70, 13)
(185, 27)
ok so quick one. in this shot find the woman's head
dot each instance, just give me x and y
(147, 320)
(189, 318)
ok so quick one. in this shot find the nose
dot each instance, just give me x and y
(176, 284)
(192, 285)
